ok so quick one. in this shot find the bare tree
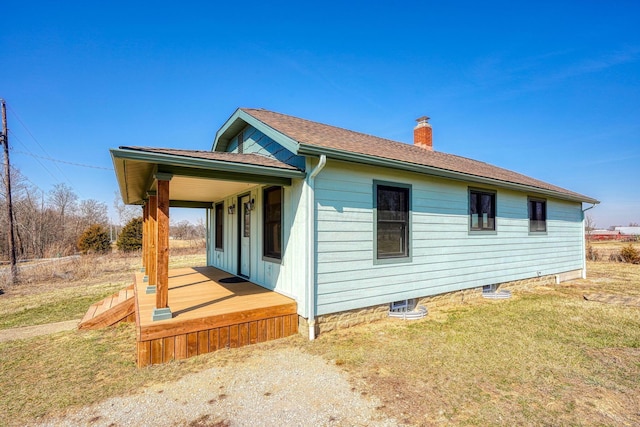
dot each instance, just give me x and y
(91, 212)
(63, 201)
(125, 212)
(181, 230)
(592, 254)
(30, 224)
(201, 229)
(185, 230)
(20, 189)
(589, 225)
(62, 198)
(47, 224)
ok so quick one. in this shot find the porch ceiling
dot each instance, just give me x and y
(203, 190)
(197, 179)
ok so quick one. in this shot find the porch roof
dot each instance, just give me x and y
(198, 177)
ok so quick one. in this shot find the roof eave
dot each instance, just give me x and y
(120, 166)
(191, 162)
(238, 120)
(306, 149)
(134, 192)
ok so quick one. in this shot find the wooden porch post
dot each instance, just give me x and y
(153, 238)
(145, 234)
(162, 310)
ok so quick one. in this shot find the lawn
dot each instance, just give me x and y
(543, 357)
(546, 357)
(58, 292)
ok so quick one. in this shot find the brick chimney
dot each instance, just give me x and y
(422, 134)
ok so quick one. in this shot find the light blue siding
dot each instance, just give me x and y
(445, 256)
(257, 142)
(285, 277)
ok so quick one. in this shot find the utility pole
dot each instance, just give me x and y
(7, 175)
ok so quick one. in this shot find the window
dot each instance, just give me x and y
(219, 225)
(482, 210)
(272, 238)
(241, 142)
(537, 215)
(392, 221)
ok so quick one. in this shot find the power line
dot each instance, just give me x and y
(62, 161)
(27, 148)
(36, 141)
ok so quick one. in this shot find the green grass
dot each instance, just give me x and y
(45, 375)
(65, 292)
(54, 306)
(543, 357)
(58, 292)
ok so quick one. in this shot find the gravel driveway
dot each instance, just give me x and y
(271, 387)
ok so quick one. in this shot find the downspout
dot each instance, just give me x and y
(584, 248)
(311, 244)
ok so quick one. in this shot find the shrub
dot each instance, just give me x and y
(615, 257)
(95, 239)
(130, 238)
(630, 254)
(592, 253)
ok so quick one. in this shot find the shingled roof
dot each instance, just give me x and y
(314, 135)
(245, 159)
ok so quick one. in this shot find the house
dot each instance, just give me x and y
(344, 222)
(629, 233)
(604, 235)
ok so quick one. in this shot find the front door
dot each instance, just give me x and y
(244, 255)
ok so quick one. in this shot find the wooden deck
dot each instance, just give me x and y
(211, 310)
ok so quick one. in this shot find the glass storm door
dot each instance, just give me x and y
(244, 261)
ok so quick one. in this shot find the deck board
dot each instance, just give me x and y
(211, 310)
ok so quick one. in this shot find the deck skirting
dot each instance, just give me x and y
(184, 345)
(210, 310)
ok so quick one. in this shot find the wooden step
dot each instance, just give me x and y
(125, 294)
(122, 296)
(113, 309)
(90, 313)
(100, 308)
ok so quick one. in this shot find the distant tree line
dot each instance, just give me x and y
(185, 230)
(47, 224)
(58, 223)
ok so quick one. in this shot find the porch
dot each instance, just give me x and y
(186, 312)
(211, 310)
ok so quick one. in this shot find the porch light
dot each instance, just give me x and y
(231, 209)
(251, 205)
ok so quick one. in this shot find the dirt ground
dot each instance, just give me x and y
(38, 330)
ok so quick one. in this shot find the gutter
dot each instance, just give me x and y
(434, 171)
(311, 243)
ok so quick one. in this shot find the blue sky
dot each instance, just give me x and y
(548, 89)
